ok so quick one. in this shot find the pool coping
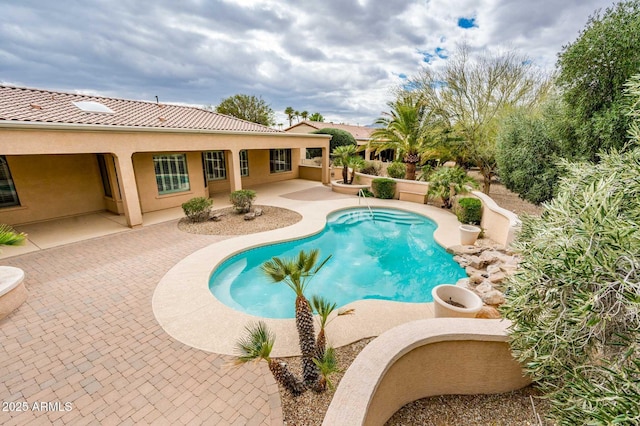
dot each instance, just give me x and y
(186, 309)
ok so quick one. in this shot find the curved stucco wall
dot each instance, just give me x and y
(425, 358)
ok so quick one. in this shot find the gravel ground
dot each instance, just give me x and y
(233, 223)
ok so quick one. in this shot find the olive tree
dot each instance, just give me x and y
(247, 107)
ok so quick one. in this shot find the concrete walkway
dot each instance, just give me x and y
(87, 336)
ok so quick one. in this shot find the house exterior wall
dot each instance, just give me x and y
(259, 171)
(150, 199)
(51, 186)
(302, 128)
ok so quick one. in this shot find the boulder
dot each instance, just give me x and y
(484, 288)
(476, 279)
(216, 217)
(493, 297)
(250, 216)
(497, 277)
(488, 312)
(258, 212)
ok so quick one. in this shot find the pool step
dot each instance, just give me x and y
(350, 218)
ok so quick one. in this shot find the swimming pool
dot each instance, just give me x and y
(384, 254)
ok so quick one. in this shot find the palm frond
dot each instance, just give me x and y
(256, 344)
(9, 237)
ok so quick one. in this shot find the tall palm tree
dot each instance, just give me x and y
(297, 272)
(257, 345)
(347, 157)
(304, 115)
(404, 130)
(290, 114)
(324, 308)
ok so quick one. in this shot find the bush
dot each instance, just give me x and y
(367, 193)
(397, 170)
(371, 168)
(338, 137)
(197, 209)
(469, 210)
(384, 188)
(575, 302)
(242, 200)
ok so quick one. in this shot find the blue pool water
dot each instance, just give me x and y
(391, 256)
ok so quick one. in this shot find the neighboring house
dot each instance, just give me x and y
(361, 134)
(64, 154)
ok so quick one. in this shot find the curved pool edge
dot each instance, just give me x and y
(186, 309)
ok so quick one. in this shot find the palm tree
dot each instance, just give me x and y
(404, 130)
(316, 116)
(290, 114)
(296, 114)
(297, 272)
(304, 115)
(347, 157)
(324, 308)
(9, 237)
(327, 365)
(257, 345)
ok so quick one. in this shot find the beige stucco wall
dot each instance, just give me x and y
(310, 173)
(259, 171)
(51, 186)
(150, 200)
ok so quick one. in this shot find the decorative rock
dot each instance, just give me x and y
(497, 278)
(489, 257)
(493, 297)
(216, 217)
(488, 312)
(492, 269)
(463, 282)
(470, 270)
(476, 262)
(250, 216)
(476, 279)
(258, 212)
(484, 288)
(461, 260)
(462, 250)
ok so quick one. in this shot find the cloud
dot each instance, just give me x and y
(341, 58)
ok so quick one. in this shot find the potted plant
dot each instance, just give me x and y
(12, 290)
(455, 302)
(469, 213)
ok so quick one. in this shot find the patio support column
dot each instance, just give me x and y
(367, 154)
(233, 162)
(326, 174)
(128, 189)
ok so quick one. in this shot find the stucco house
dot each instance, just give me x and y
(65, 154)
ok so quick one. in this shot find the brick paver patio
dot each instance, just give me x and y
(87, 336)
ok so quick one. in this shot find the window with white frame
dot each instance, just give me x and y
(244, 163)
(171, 173)
(280, 160)
(8, 194)
(215, 165)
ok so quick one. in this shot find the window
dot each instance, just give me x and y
(244, 163)
(171, 173)
(215, 165)
(280, 160)
(8, 194)
(104, 174)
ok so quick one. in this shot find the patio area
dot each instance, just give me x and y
(87, 335)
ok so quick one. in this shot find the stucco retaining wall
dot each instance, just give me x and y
(425, 358)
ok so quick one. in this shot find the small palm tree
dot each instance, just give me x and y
(445, 182)
(296, 273)
(324, 308)
(347, 157)
(327, 365)
(304, 115)
(9, 237)
(257, 345)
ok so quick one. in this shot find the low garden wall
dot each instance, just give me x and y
(310, 172)
(500, 225)
(425, 358)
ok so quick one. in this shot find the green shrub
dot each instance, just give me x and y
(397, 170)
(367, 193)
(197, 209)
(575, 301)
(443, 178)
(469, 210)
(242, 200)
(384, 188)
(339, 137)
(371, 168)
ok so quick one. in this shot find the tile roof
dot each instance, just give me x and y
(358, 132)
(44, 106)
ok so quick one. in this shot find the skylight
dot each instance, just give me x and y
(92, 106)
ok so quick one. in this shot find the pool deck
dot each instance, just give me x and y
(88, 335)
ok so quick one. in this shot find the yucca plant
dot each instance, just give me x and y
(327, 365)
(297, 272)
(9, 237)
(257, 345)
(324, 308)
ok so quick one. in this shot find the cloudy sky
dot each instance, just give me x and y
(336, 57)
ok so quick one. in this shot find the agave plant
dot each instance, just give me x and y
(327, 365)
(324, 308)
(257, 345)
(297, 272)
